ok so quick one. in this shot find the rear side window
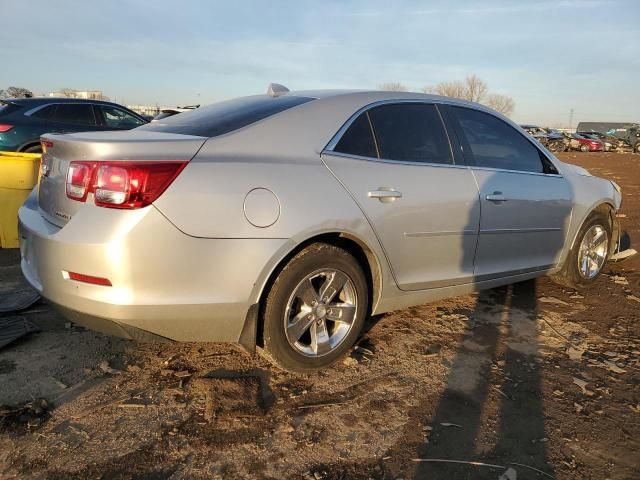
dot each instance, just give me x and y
(225, 117)
(75, 113)
(495, 144)
(358, 139)
(410, 132)
(44, 113)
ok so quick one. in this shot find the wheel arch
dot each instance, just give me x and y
(604, 206)
(30, 143)
(360, 249)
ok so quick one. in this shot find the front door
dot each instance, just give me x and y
(525, 203)
(396, 162)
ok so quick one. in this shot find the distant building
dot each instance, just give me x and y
(86, 94)
(151, 110)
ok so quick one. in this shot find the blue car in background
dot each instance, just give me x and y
(24, 120)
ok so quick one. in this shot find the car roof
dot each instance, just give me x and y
(310, 126)
(368, 97)
(371, 96)
(37, 101)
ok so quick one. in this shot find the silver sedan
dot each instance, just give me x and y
(284, 220)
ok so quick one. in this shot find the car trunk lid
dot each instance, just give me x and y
(139, 146)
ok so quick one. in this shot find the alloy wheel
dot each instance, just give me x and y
(593, 252)
(320, 312)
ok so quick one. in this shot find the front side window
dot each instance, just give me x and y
(358, 139)
(115, 118)
(75, 113)
(495, 144)
(410, 132)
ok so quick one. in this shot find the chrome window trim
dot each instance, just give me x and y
(30, 112)
(329, 147)
(396, 162)
(442, 165)
(521, 172)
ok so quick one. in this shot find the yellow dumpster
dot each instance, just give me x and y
(18, 176)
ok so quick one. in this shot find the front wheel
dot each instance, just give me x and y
(315, 309)
(584, 148)
(589, 253)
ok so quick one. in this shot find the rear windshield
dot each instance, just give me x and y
(225, 117)
(162, 115)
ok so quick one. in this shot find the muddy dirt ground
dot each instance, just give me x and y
(533, 377)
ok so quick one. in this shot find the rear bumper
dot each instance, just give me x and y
(164, 282)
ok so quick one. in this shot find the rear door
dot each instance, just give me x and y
(526, 203)
(396, 161)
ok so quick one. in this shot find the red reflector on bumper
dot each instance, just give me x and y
(79, 277)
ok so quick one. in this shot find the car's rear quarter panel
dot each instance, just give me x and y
(165, 282)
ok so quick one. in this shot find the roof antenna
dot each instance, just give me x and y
(275, 90)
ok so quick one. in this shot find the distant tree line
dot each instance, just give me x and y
(15, 92)
(19, 92)
(471, 88)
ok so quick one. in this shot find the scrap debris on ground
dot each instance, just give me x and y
(15, 296)
(12, 328)
(529, 381)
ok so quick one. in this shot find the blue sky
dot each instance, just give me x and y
(550, 56)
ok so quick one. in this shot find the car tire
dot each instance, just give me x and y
(573, 273)
(584, 148)
(33, 149)
(319, 285)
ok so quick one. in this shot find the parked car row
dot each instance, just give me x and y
(584, 140)
(621, 136)
(554, 140)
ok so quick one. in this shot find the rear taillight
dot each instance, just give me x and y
(5, 127)
(122, 184)
(79, 178)
(46, 145)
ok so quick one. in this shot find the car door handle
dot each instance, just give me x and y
(385, 195)
(496, 197)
